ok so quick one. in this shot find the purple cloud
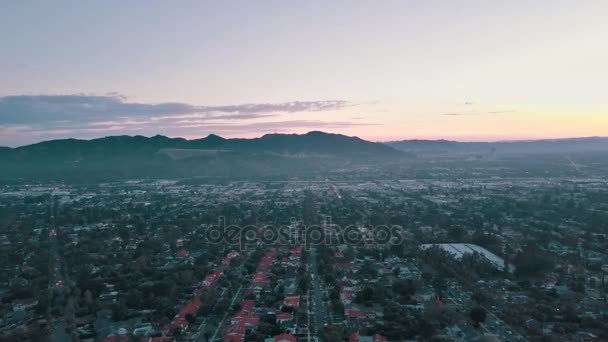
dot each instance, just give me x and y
(80, 109)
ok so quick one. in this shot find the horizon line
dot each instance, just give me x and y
(352, 136)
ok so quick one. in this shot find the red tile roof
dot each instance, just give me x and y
(284, 338)
(378, 338)
(235, 332)
(234, 337)
(212, 278)
(292, 301)
(180, 319)
(296, 252)
(267, 260)
(230, 256)
(247, 305)
(346, 295)
(261, 278)
(284, 316)
(353, 312)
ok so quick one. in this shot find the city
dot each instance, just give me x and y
(517, 259)
(303, 171)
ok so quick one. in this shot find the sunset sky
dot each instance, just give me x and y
(380, 70)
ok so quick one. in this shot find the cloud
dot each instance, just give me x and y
(16, 135)
(60, 109)
(209, 126)
(26, 119)
(275, 125)
(479, 113)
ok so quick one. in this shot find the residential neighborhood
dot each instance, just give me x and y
(466, 261)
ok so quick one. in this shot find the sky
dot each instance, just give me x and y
(380, 70)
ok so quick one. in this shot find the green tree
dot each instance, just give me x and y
(478, 315)
(120, 312)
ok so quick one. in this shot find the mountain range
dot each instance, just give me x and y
(501, 148)
(124, 157)
(159, 156)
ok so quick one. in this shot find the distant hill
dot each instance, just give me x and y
(527, 147)
(117, 157)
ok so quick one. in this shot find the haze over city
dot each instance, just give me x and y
(389, 70)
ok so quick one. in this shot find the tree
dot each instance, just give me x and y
(87, 298)
(365, 296)
(43, 302)
(404, 287)
(304, 283)
(204, 310)
(368, 270)
(333, 333)
(481, 297)
(191, 319)
(440, 285)
(120, 312)
(134, 298)
(478, 315)
(177, 332)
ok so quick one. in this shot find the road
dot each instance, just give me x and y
(219, 326)
(199, 335)
(58, 331)
(317, 298)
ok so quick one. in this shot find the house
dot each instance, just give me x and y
(347, 295)
(24, 304)
(292, 301)
(245, 316)
(247, 321)
(583, 336)
(230, 256)
(180, 321)
(265, 264)
(247, 306)
(239, 327)
(357, 312)
(267, 261)
(289, 287)
(283, 317)
(296, 253)
(235, 333)
(261, 279)
(211, 279)
(281, 338)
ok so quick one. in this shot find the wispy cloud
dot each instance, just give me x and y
(470, 113)
(32, 118)
(16, 135)
(273, 125)
(48, 109)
